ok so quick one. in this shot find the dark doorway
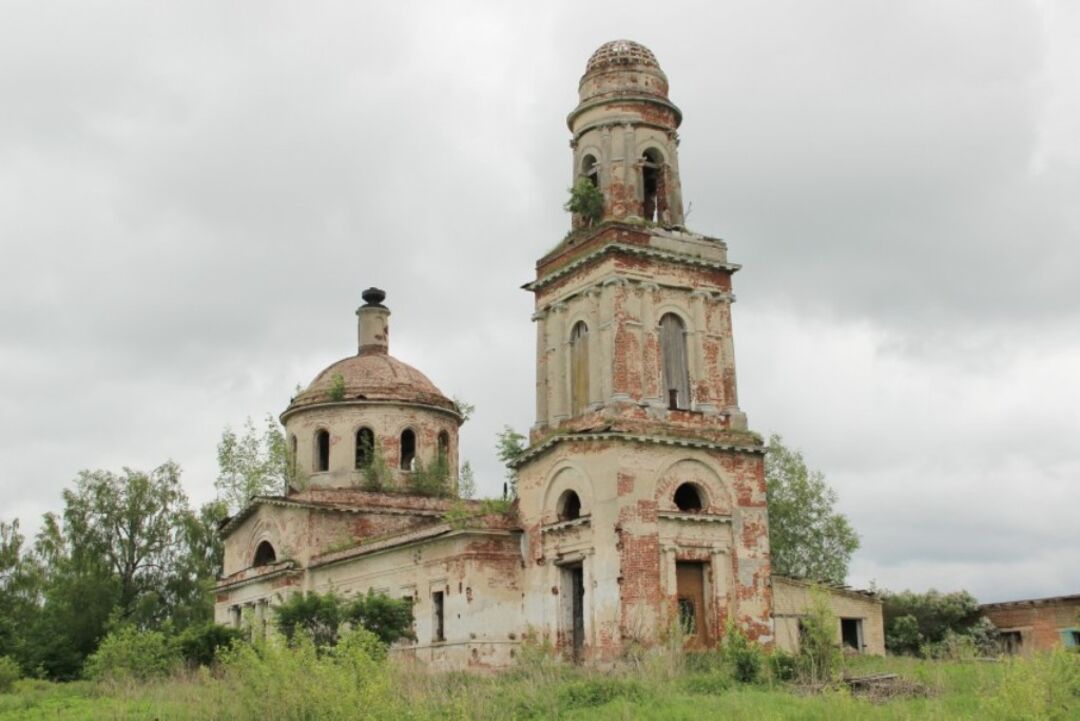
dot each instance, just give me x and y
(690, 588)
(574, 609)
(851, 633)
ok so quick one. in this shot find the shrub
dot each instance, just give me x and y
(745, 659)
(783, 666)
(387, 618)
(298, 681)
(9, 673)
(586, 201)
(819, 656)
(199, 645)
(128, 653)
(377, 474)
(337, 387)
(316, 616)
(913, 620)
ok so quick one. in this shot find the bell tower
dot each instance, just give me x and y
(624, 135)
(642, 493)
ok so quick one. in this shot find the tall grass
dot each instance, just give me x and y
(355, 681)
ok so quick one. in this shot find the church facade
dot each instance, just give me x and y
(641, 502)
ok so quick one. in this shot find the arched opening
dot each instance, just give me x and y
(652, 185)
(322, 450)
(365, 447)
(264, 554)
(569, 506)
(591, 170)
(408, 449)
(293, 446)
(676, 373)
(688, 498)
(579, 368)
(444, 447)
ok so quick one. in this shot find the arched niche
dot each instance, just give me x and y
(692, 475)
(565, 478)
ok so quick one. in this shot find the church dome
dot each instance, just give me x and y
(372, 377)
(617, 53)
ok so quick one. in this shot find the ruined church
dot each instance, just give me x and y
(641, 497)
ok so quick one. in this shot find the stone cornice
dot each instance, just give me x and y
(635, 250)
(534, 451)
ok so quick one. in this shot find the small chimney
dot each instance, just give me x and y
(374, 326)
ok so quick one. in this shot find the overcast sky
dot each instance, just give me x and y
(193, 195)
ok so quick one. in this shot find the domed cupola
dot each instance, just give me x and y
(371, 406)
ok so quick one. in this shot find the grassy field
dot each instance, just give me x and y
(289, 685)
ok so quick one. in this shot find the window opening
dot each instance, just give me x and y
(687, 498)
(408, 449)
(569, 506)
(652, 166)
(293, 444)
(365, 447)
(1012, 642)
(591, 170)
(675, 371)
(264, 554)
(322, 450)
(579, 368)
(438, 630)
(851, 633)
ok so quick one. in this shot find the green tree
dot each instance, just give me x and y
(19, 591)
(510, 447)
(915, 621)
(586, 201)
(318, 616)
(203, 554)
(808, 538)
(253, 464)
(133, 522)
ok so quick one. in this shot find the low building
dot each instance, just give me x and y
(860, 626)
(1037, 624)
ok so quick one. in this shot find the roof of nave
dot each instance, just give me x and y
(348, 500)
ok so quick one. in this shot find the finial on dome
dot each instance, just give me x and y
(373, 296)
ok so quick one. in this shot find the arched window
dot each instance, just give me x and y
(264, 554)
(652, 184)
(444, 447)
(687, 498)
(676, 374)
(365, 447)
(408, 449)
(292, 455)
(322, 450)
(569, 506)
(591, 170)
(579, 368)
